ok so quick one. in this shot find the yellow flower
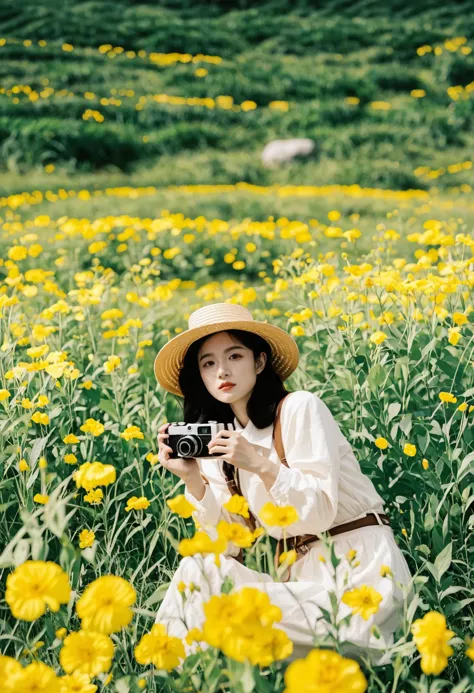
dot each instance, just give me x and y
(409, 449)
(351, 554)
(112, 363)
(17, 253)
(459, 318)
(41, 498)
(105, 605)
(259, 531)
(160, 649)
(131, 432)
(447, 397)
(385, 570)
(71, 439)
(26, 403)
(37, 677)
(135, 503)
(38, 351)
(42, 464)
(94, 497)
(180, 505)
(87, 385)
(23, 465)
(381, 443)
(241, 625)
(238, 505)
(4, 394)
(61, 633)
(10, 671)
(93, 474)
(281, 516)
(33, 586)
(77, 683)
(86, 652)
(152, 458)
(325, 671)
(194, 635)
(43, 400)
(40, 418)
(289, 556)
(235, 532)
(454, 335)
(141, 683)
(378, 337)
(431, 638)
(470, 649)
(363, 600)
(425, 463)
(92, 426)
(70, 458)
(202, 543)
(181, 586)
(86, 538)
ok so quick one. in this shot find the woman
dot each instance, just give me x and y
(322, 480)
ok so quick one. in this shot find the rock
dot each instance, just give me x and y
(279, 151)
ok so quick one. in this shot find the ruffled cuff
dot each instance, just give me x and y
(207, 509)
(282, 484)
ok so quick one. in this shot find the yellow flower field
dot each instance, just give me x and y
(92, 527)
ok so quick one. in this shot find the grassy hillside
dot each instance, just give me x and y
(382, 112)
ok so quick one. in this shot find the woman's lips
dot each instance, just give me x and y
(227, 387)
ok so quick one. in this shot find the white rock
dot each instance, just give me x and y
(285, 150)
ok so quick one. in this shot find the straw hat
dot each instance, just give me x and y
(218, 317)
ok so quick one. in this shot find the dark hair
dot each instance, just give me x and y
(200, 406)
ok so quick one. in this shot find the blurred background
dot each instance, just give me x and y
(98, 94)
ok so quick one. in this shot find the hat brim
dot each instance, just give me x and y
(169, 360)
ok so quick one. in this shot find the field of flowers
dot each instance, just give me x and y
(131, 194)
(386, 338)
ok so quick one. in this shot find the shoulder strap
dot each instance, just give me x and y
(277, 433)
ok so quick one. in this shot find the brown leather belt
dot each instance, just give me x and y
(300, 542)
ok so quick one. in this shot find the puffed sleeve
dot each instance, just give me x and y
(209, 512)
(311, 438)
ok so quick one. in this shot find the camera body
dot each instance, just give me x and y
(191, 439)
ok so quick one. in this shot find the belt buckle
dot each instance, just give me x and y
(302, 549)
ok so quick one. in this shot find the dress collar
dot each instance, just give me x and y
(259, 436)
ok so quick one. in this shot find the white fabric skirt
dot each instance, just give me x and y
(308, 588)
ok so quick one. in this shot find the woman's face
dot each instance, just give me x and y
(221, 358)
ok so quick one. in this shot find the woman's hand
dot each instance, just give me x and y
(237, 451)
(184, 468)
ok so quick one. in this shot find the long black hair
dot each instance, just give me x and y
(200, 406)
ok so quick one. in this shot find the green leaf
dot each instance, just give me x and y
(158, 595)
(227, 585)
(109, 407)
(376, 377)
(393, 409)
(443, 560)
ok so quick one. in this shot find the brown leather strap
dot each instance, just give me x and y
(277, 433)
(299, 543)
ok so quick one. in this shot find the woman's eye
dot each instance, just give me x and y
(238, 356)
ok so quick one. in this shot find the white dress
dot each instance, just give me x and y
(325, 484)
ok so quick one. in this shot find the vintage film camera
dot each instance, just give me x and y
(191, 440)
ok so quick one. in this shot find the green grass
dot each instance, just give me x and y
(311, 58)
